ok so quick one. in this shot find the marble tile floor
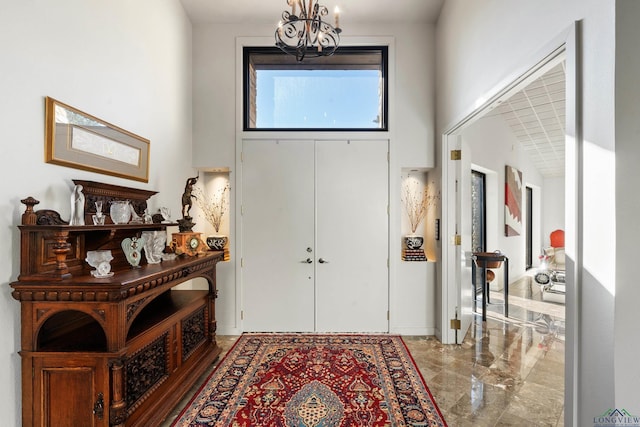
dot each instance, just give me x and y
(506, 372)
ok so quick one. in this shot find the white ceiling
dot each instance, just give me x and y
(254, 11)
(536, 115)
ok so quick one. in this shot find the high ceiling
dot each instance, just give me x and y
(254, 11)
(536, 116)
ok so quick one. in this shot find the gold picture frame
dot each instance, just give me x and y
(79, 140)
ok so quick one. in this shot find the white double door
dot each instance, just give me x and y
(315, 236)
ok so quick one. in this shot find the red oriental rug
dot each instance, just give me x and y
(314, 380)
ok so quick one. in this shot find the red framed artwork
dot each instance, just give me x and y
(512, 201)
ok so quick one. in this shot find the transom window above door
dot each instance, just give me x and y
(346, 91)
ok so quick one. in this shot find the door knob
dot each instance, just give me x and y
(323, 261)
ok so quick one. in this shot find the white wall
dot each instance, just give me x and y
(483, 45)
(217, 128)
(216, 79)
(493, 146)
(627, 206)
(128, 63)
(553, 207)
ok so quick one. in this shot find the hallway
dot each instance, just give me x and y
(508, 372)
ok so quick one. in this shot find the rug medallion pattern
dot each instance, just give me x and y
(314, 380)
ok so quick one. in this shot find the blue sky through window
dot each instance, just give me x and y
(318, 99)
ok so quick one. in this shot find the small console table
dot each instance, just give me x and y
(488, 260)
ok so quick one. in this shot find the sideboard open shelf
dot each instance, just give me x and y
(116, 351)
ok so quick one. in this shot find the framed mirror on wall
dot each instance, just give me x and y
(79, 140)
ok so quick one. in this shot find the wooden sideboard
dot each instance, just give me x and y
(115, 351)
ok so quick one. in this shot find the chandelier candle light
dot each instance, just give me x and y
(305, 34)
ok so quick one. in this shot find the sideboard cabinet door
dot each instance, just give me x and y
(70, 391)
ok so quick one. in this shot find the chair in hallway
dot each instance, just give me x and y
(551, 273)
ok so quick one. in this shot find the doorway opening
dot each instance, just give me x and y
(455, 258)
(491, 151)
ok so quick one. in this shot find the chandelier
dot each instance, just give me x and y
(303, 33)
